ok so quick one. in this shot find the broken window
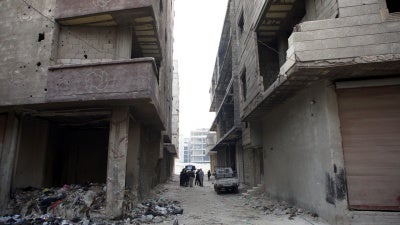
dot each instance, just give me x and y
(393, 5)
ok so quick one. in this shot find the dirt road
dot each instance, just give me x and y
(202, 205)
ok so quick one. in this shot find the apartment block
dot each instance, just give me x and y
(197, 146)
(86, 95)
(318, 95)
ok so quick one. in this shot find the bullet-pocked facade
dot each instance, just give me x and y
(318, 94)
(86, 95)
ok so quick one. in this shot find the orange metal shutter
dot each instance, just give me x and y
(370, 127)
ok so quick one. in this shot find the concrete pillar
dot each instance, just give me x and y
(124, 43)
(7, 160)
(117, 156)
(133, 164)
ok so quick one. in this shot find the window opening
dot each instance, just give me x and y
(244, 85)
(393, 5)
(272, 41)
(241, 23)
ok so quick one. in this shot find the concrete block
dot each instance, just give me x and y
(340, 22)
(346, 52)
(395, 48)
(360, 10)
(348, 3)
(351, 41)
(387, 27)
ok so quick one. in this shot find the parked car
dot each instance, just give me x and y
(190, 167)
(225, 180)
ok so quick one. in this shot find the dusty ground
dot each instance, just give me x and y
(203, 206)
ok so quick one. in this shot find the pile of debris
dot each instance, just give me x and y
(83, 205)
(155, 210)
(264, 203)
(65, 205)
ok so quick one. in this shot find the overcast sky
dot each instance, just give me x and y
(198, 25)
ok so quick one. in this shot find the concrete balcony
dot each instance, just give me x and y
(73, 12)
(124, 82)
(138, 14)
(333, 49)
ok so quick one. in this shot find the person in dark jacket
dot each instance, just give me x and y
(197, 180)
(209, 175)
(191, 178)
(182, 178)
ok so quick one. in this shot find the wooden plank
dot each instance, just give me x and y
(370, 127)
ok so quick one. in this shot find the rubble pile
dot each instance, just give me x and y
(156, 210)
(264, 203)
(83, 205)
(68, 204)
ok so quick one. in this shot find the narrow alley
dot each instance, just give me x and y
(294, 105)
(202, 205)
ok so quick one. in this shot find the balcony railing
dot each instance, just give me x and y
(132, 82)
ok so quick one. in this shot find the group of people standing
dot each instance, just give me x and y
(187, 177)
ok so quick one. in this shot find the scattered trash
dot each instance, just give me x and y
(155, 210)
(84, 205)
(278, 208)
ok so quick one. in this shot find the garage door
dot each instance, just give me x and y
(370, 126)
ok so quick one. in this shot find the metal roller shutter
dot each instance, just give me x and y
(370, 127)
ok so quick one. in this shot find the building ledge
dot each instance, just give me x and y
(171, 149)
(333, 50)
(100, 10)
(228, 99)
(231, 136)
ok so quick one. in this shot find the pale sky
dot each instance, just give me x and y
(198, 26)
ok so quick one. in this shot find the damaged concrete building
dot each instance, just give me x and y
(307, 95)
(86, 95)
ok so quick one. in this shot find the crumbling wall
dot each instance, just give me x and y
(25, 49)
(302, 151)
(83, 44)
(133, 155)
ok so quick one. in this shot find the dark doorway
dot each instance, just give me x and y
(78, 155)
(393, 5)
